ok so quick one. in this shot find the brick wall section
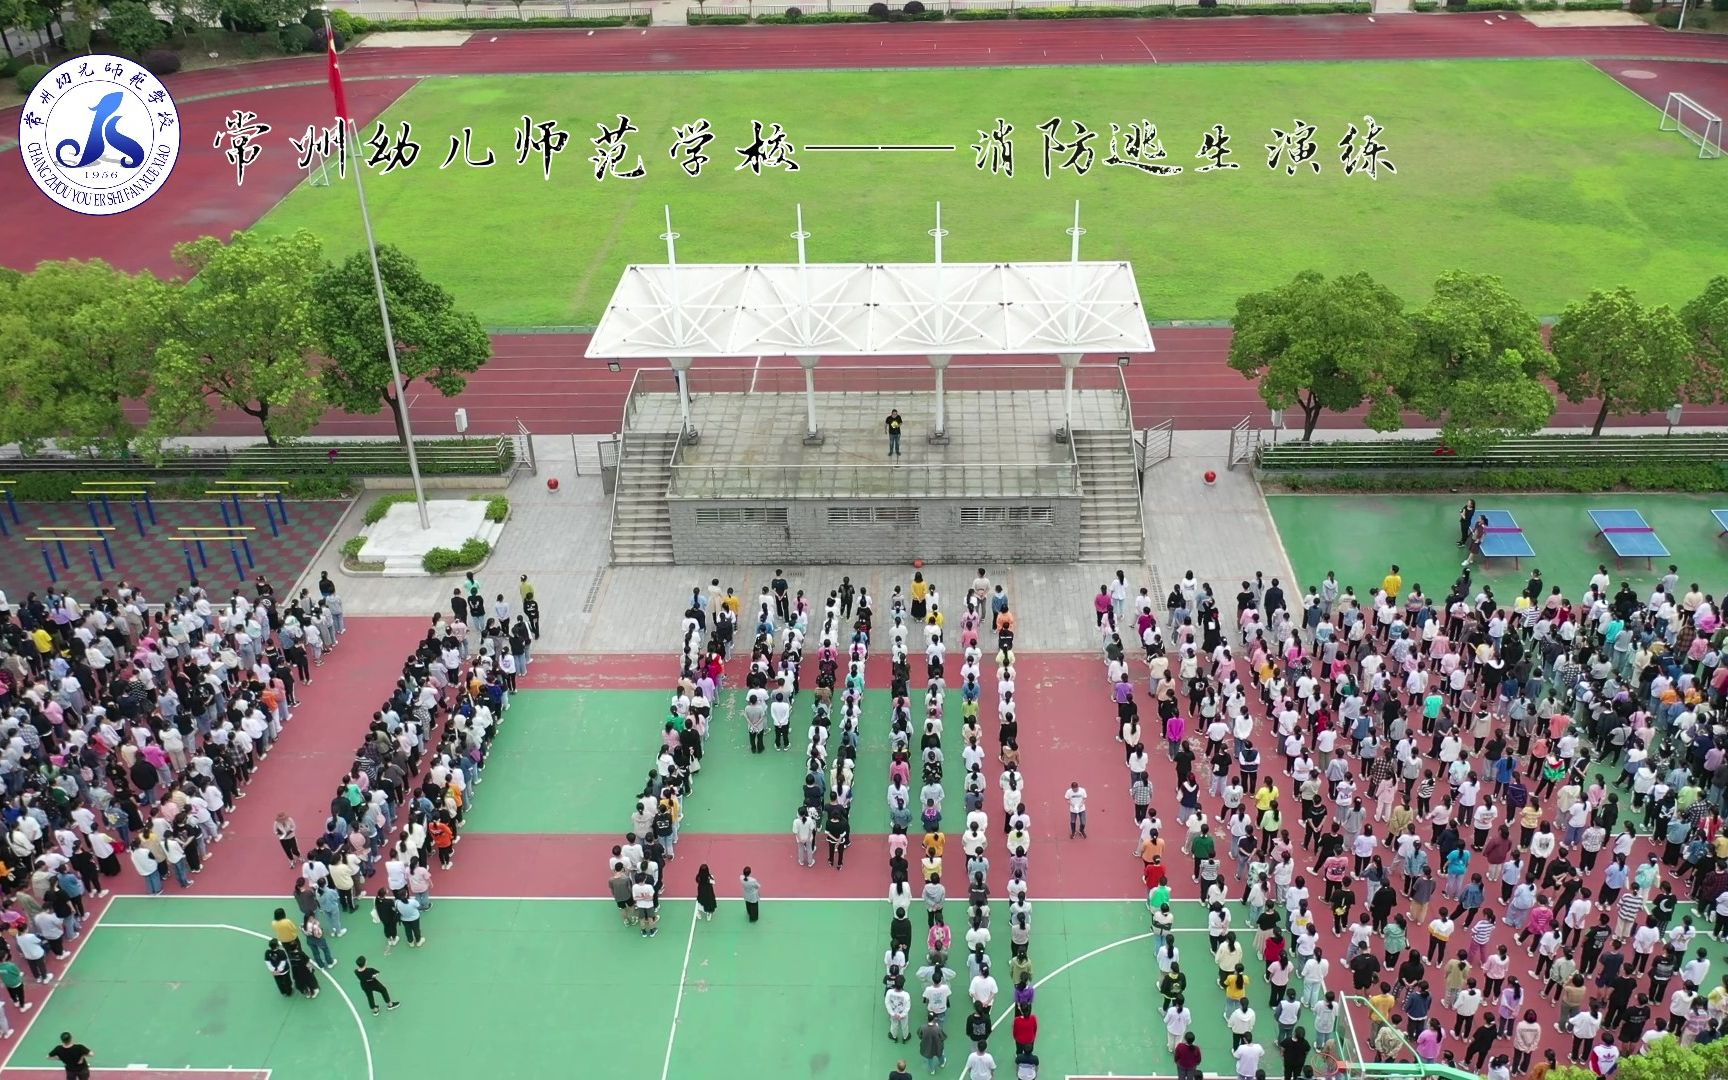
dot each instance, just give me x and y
(940, 535)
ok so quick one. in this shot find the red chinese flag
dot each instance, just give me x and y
(336, 76)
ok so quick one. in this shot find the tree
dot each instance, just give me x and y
(12, 17)
(87, 336)
(434, 341)
(1666, 1059)
(1477, 363)
(1706, 319)
(240, 333)
(133, 27)
(1324, 345)
(77, 30)
(1631, 358)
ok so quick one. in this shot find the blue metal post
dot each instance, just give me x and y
(4, 530)
(95, 563)
(191, 571)
(271, 514)
(107, 511)
(90, 505)
(136, 516)
(247, 544)
(108, 549)
(222, 504)
(150, 508)
(281, 508)
(48, 561)
(12, 504)
(239, 514)
(202, 559)
(238, 571)
(65, 564)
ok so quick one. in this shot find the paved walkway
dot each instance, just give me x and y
(1222, 532)
(560, 541)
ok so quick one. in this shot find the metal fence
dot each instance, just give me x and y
(1244, 441)
(924, 480)
(1155, 445)
(492, 454)
(528, 12)
(887, 379)
(1553, 450)
(777, 7)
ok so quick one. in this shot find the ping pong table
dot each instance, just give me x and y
(1503, 538)
(1629, 535)
(1721, 517)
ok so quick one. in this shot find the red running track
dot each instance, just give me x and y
(676, 48)
(542, 379)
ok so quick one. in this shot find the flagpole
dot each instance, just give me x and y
(352, 134)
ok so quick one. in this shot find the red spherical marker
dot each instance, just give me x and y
(551, 483)
(918, 564)
(1211, 477)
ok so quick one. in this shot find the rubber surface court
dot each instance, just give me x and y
(1361, 536)
(527, 988)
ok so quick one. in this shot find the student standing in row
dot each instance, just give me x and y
(751, 889)
(373, 986)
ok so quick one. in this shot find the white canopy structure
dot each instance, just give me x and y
(893, 309)
(810, 310)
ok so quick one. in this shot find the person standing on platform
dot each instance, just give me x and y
(893, 425)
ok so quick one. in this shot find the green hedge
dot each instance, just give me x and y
(1110, 12)
(988, 14)
(497, 506)
(780, 19)
(1702, 477)
(1592, 5)
(817, 17)
(59, 486)
(696, 19)
(444, 560)
(376, 512)
(352, 546)
(363, 25)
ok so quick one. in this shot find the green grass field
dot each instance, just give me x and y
(1545, 172)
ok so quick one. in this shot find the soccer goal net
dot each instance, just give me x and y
(1700, 125)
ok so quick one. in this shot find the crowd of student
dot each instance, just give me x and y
(130, 731)
(423, 752)
(1456, 787)
(954, 845)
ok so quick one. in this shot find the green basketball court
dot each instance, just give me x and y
(539, 988)
(574, 762)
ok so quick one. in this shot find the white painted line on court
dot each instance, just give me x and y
(59, 980)
(1081, 959)
(365, 1039)
(678, 1005)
